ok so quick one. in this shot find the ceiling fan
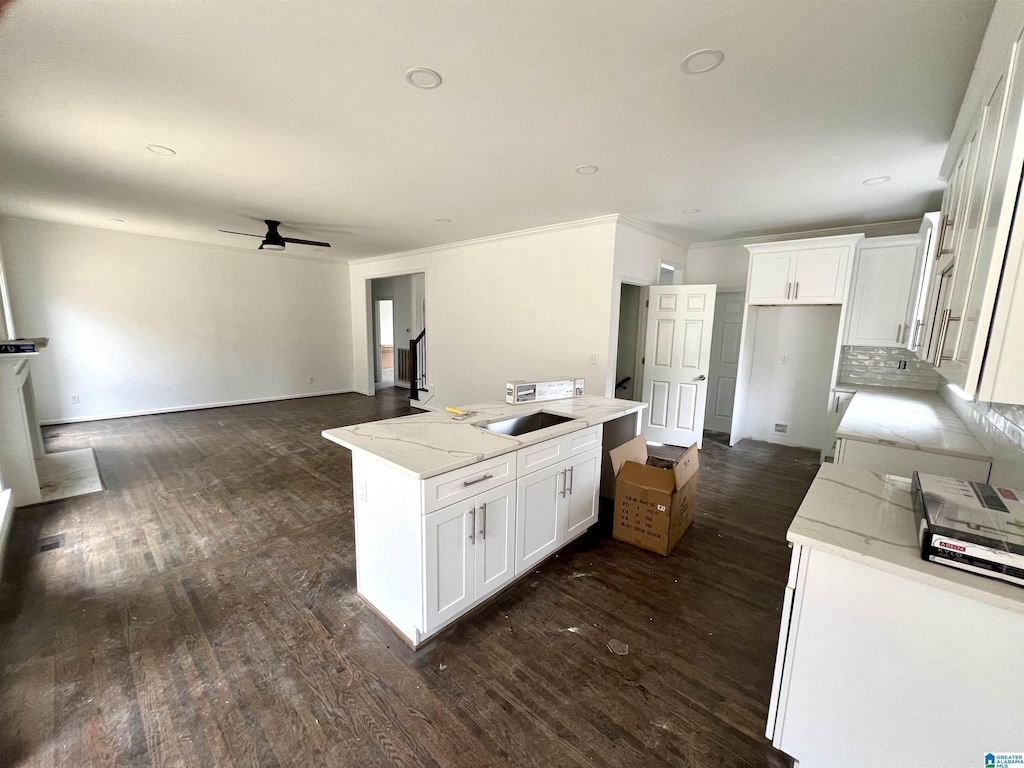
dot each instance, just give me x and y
(273, 241)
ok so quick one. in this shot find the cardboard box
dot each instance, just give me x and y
(654, 497)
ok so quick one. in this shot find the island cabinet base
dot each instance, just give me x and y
(430, 551)
(875, 669)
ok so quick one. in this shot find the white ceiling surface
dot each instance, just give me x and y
(299, 111)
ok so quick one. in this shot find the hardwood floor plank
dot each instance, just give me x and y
(202, 612)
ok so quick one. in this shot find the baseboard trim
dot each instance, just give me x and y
(202, 407)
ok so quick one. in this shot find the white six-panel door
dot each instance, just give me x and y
(677, 358)
(725, 357)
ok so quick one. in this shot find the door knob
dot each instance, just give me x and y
(702, 377)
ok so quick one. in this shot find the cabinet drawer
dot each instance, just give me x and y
(459, 484)
(541, 455)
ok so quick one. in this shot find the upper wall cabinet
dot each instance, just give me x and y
(812, 271)
(883, 296)
(977, 292)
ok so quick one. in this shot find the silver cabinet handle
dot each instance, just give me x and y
(796, 291)
(789, 287)
(571, 473)
(564, 478)
(472, 527)
(899, 332)
(917, 333)
(483, 525)
(941, 339)
(467, 483)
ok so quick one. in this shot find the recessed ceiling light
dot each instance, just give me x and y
(160, 150)
(443, 221)
(586, 170)
(421, 77)
(704, 60)
(119, 221)
(877, 180)
(690, 210)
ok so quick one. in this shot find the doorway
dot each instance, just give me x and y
(398, 315)
(627, 358)
(725, 357)
(384, 327)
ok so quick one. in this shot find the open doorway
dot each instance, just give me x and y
(384, 325)
(628, 357)
(398, 315)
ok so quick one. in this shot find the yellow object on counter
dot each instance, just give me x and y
(456, 411)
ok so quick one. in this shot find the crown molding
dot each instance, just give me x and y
(547, 228)
(650, 229)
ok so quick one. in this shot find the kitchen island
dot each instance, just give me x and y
(448, 512)
(884, 658)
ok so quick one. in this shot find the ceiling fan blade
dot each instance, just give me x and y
(229, 232)
(305, 242)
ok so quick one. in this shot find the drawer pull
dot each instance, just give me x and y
(483, 526)
(467, 483)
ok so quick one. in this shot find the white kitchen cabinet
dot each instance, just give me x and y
(430, 550)
(882, 296)
(771, 279)
(885, 659)
(554, 505)
(468, 553)
(812, 271)
(978, 302)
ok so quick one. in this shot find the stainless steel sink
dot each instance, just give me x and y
(521, 425)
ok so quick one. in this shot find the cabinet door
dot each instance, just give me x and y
(581, 494)
(495, 539)
(820, 276)
(538, 531)
(880, 300)
(770, 278)
(448, 562)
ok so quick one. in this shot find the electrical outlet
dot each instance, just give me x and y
(780, 428)
(75, 399)
(312, 379)
(593, 359)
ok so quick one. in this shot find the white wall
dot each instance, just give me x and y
(141, 324)
(6, 332)
(639, 254)
(795, 391)
(527, 305)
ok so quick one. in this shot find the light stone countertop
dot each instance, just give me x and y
(428, 444)
(869, 518)
(914, 419)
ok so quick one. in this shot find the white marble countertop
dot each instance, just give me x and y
(428, 444)
(909, 418)
(869, 518)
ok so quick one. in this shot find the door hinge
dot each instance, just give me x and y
(643, 361)
(647, 304)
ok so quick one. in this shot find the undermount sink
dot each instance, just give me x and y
(521, 425)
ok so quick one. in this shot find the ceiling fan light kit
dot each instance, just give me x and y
(273, 241)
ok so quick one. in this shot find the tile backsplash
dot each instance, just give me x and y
(999, 427)
(881, 367)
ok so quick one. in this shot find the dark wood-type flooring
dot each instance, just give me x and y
(202, 612)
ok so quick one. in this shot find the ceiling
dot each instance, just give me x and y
(299, 111)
